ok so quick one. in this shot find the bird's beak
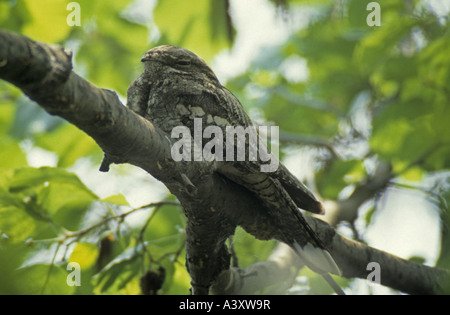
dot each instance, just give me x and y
(147, 56)
(153, 54)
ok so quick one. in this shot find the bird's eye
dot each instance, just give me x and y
(183, 63)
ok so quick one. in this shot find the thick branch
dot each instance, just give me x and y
(308, 140)
(347, 209)
(274, 276)
(353, 257)
(396, 273)
(43, 72)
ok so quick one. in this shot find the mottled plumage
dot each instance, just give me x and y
(178, 86)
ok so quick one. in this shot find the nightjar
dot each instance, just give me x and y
(177, 87)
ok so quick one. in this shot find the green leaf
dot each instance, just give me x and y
(43, 279)
(121, 271)
(48, 20)
(373, 50)
(389, 136)
(409, 127)
(199, 25)
(12, 256)
(7, 111)
(336, 176)
(58, 194)
(14, 221)
(439, 159)
(357, 13)
(72, 213)
(39, 196)
(5, 177)
(302, 118)
(165, 223)
(69, 143)
(13, 15)
(388, 78)
(11, 155)
(118, 199)
(111, 45)
(435, 62)
(178, 281)
(417, 259)
(413, 174)
(369, 215)
(250, 250)
(85, 254)
(22, 217)
(29, 177)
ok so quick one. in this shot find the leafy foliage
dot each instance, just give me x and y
(375, 94)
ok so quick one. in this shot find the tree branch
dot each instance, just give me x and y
(309, 140)
(214, 208)
(277, 272)
(274, 276)
(347, 209)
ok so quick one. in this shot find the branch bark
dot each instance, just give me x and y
(213, 205)
(353, 257)
(274, 276)
(347, 209)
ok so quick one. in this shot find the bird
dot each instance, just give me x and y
(177, 87)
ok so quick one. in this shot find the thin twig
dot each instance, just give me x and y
(119, 216)
(309, 140)
(50, 269)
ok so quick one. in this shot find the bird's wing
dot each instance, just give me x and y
(280, 191)
(301, 195)
(137, 95)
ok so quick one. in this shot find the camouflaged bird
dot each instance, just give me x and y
(178, 86)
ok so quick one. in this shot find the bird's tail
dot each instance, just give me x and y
(319, 260)
(333, 284)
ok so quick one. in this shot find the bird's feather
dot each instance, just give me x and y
(178, 86)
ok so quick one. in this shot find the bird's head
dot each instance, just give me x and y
(174, 59)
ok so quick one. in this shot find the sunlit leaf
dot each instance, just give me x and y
(111, 45)
(85, 254)
(199, 25)
(413, 174)
(48, 20)
(27, 177)
(11, 155)
(69, 143)
(56, 195)
(118, 199)
(14, 221)
(39, 196)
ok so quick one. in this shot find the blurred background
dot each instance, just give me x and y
(363, 112)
